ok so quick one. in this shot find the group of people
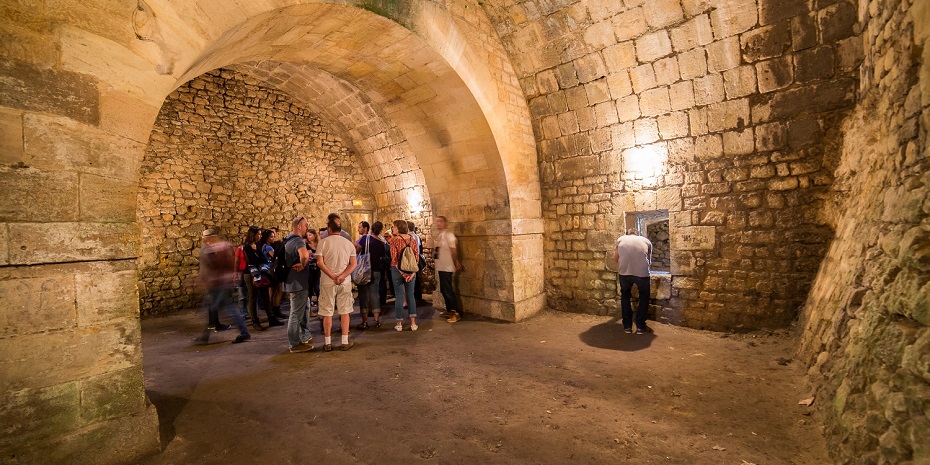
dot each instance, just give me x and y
(320, 264)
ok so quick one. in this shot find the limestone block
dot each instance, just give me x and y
(723, 55)
(56, 143)
(546, 81)
(619, 85)
(550, 127)
(692, 64)
(783, 184)
(557, 102)
(643, 78)
(37, 304)
(623, 136)
(125, 116)
(590, 67)
(738, 142)
(766, 42)
(41, 360)
(732, 17)
(576, 97)
(600, 35)
(771, 11)
(30, 414)
(693, 238)
(628, 108)
(654, 102)
(740, 81)
(681, 150)
(837, 21)
(630, 23)
(673, 125)
(695, 7)
(25, 201)
(803, 32)
(11, 137)
(774, 74)
(34, 243)
(849, 54)
(669, 198)
(27, 87)
(708, 147)
(606, 114)
(647, 130)
(106, 199)
(620, 57)
(681, 95)
(663, 13)
(566, 75)
(697, 119)
(597, 91)
(708, 89)
(112, 395)
(729, 114)
(20, 43)
(114, 64)
(576, 167)
(815, 63)
(102, 297)
(568, 123)
(651, 47)
(666, 71)
(694, 33)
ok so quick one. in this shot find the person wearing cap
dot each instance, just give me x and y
(218, 273)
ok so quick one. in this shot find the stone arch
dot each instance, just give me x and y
(83, 108)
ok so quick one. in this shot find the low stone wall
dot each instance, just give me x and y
(217, 158)
(866, 324)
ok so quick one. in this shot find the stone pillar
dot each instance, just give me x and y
(71, 385)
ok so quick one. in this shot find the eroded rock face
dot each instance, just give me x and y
(216, 158)
(866, 324)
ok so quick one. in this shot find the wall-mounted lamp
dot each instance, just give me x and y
(356, 202)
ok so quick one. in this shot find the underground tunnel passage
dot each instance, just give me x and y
(786, 139)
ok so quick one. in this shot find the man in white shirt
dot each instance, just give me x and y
(446, 261)
(336, 260)
(633, 254)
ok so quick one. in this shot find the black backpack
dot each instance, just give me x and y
(281, 268)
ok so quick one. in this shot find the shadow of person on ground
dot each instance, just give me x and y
(609, 335)
(168, 408)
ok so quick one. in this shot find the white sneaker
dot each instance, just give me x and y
(413, 327)
(399, 327)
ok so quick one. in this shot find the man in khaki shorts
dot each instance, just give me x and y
(336, 259)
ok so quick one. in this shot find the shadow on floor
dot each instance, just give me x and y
(609, 335)
(168, 408)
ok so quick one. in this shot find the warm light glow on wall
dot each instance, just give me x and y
(415, 201)
(645, 162)
(357, 203)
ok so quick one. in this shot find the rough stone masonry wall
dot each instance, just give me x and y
(214, 160)
(716, 111)
(867, 321)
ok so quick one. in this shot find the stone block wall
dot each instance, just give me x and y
(721, 113)
(216, 158)
(866, 324)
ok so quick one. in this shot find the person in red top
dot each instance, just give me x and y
(403, 282)
(218, 273)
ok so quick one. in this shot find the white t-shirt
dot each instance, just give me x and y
(336, 252)
(634, 255)
(447, 241)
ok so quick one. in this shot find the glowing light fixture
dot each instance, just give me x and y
(644, 162)
(415, 201)
(357, 202)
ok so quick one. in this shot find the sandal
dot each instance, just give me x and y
(377, 324)
(362, 325)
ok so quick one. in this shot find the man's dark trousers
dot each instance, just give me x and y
(626, 308)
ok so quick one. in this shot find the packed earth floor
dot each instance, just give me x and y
(558, 388)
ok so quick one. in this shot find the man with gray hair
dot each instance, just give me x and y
(633, 254)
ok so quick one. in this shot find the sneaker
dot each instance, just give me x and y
(454, 317)
(377, 324)
(414, 327)
(307, 340)
(445, 314)
(301, 348)
(241, 338)
(348, 346)
(221, 328)
(628, 330)
(643, 330)
(398, 327)
(328, 348)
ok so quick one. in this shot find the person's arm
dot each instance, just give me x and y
(348, 271)
(455, 258)
(304, 259)
(325, 268)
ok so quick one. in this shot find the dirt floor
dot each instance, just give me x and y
(559, 388)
